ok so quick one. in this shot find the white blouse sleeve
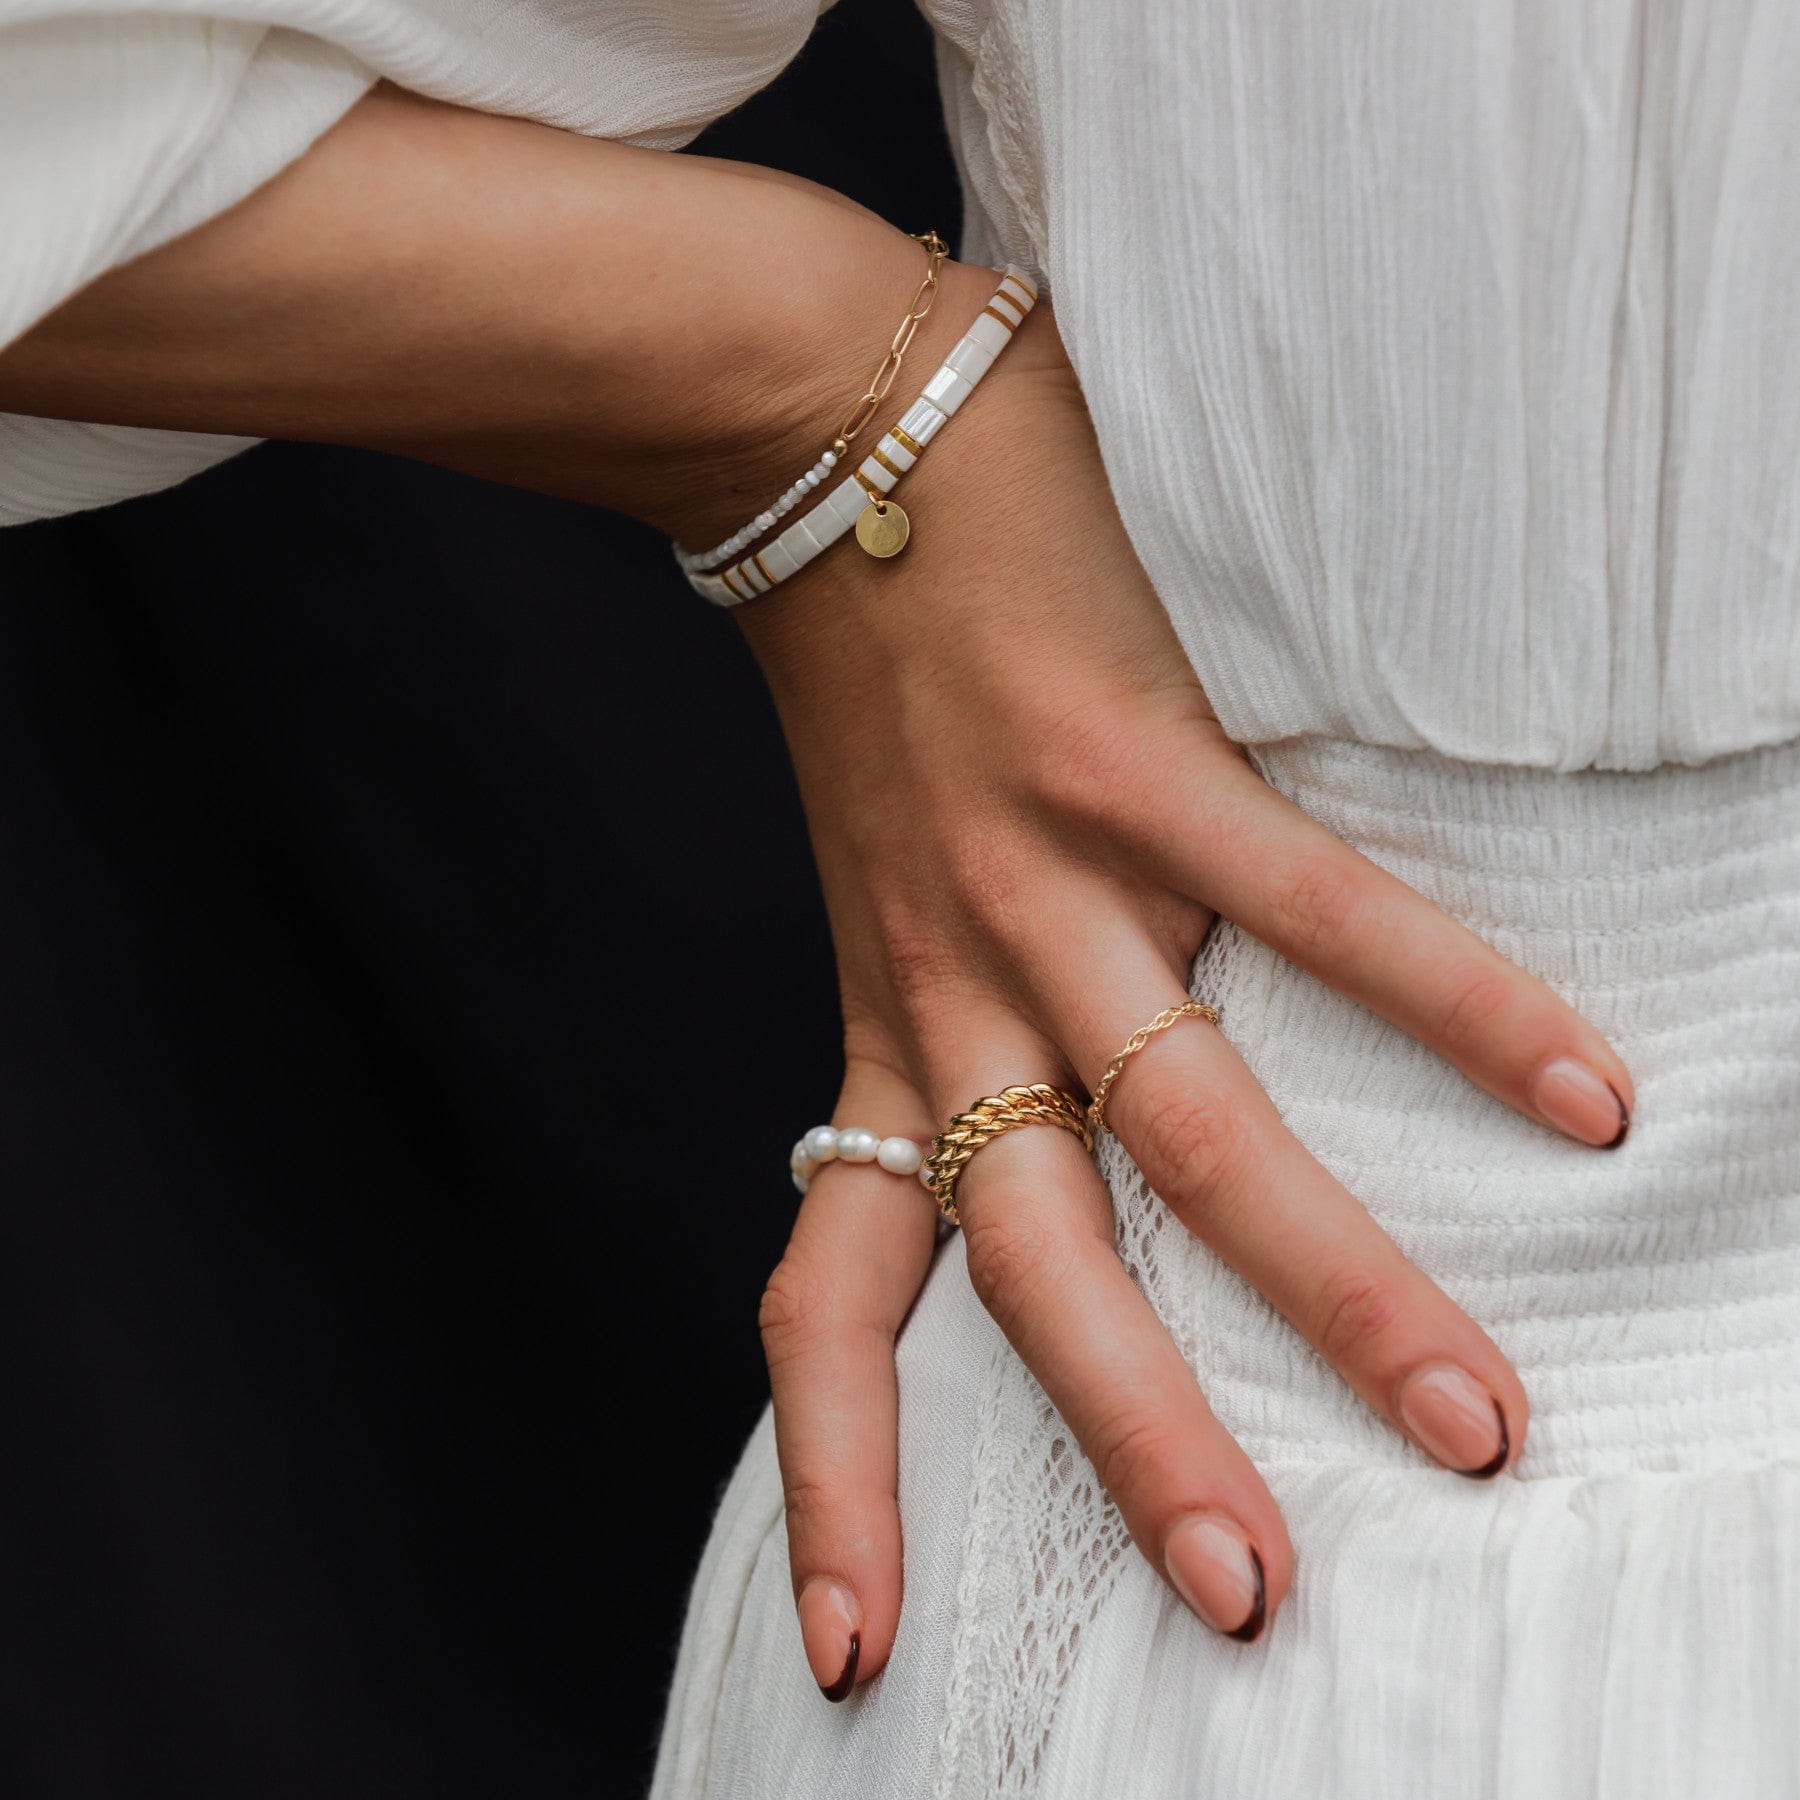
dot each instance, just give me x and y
(121, 128)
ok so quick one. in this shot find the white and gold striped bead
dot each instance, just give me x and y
(880, 471)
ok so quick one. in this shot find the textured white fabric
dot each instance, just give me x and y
(116, 135)
(123, 124)
(1442, 359)
(1614, 1619)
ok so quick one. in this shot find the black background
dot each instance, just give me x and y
(412, 975)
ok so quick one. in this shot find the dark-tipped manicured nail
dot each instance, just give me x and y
(831, 1629)
(1217, 1571)
(1498, 1461)
(1580, 1102)
(1455, 1419)
(840, 1689)
(1251, 1629)
(1624, 1119)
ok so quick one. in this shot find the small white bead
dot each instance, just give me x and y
(857, 1145)
(925, 1180)
(799, 1162)
(811, 478)
(821, 1143)
(829, 459)
(802, 1182)
(899, 1156)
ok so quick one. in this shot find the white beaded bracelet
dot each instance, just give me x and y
(861, 500)
(699, 563)
(854, 1144)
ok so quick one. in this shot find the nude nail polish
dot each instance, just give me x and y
(1578, 1101)
(1217, 1572)
(831, 1629)
(1456, 1420)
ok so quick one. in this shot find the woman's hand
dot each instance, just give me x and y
(1026, 818)
(1024, 812)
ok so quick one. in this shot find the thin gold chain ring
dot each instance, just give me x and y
(1188, 1009)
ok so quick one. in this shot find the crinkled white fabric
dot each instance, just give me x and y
(116, 135)
(122, 125)
(1442, 360)
(1615, 1619)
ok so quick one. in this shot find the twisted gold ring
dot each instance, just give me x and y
(1189, 1009)
(993, 1117)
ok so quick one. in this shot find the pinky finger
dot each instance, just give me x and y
(858, 1255)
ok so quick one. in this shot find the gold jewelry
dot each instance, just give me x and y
(1188, 1009)
(864, 499)
(877, 391)
(988, 1119)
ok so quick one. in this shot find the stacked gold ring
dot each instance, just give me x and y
(993, 1117)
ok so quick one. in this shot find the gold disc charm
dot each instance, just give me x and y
(882, 528)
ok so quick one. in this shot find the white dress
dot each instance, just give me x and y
(1444, 361)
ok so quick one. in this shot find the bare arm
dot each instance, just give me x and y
(663, 335)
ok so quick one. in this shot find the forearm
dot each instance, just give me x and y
(672, 336)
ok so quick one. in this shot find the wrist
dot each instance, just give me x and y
(802, 372)
(964, 499)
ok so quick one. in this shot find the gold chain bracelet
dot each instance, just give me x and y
(877, 391)
(1038, 1104)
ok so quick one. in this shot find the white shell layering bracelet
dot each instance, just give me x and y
(861, 499)
(854, 1144)
(701, 562)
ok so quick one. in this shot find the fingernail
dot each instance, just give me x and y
(1457, 1420)
(831, 1629)
(1584, 1104)
(1217, 1571)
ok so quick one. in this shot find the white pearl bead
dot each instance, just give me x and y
(802, 1182)
(857, 1145)
(821, 1143)
(829, 459)
(799, 1162)
(765, 520)
(899, 1156)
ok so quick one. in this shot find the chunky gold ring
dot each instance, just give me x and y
(991, 1118)
(1189, 1009)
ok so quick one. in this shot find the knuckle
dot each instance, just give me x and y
(1128, 1450)
(992, 877)
(1200, 1142)
(1315, 903)
(1013, 1262)
(1356, 1310)
(1476, 1001)
(808, 1500)
(917, 962)
(796, 1308)
(1097, 768)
